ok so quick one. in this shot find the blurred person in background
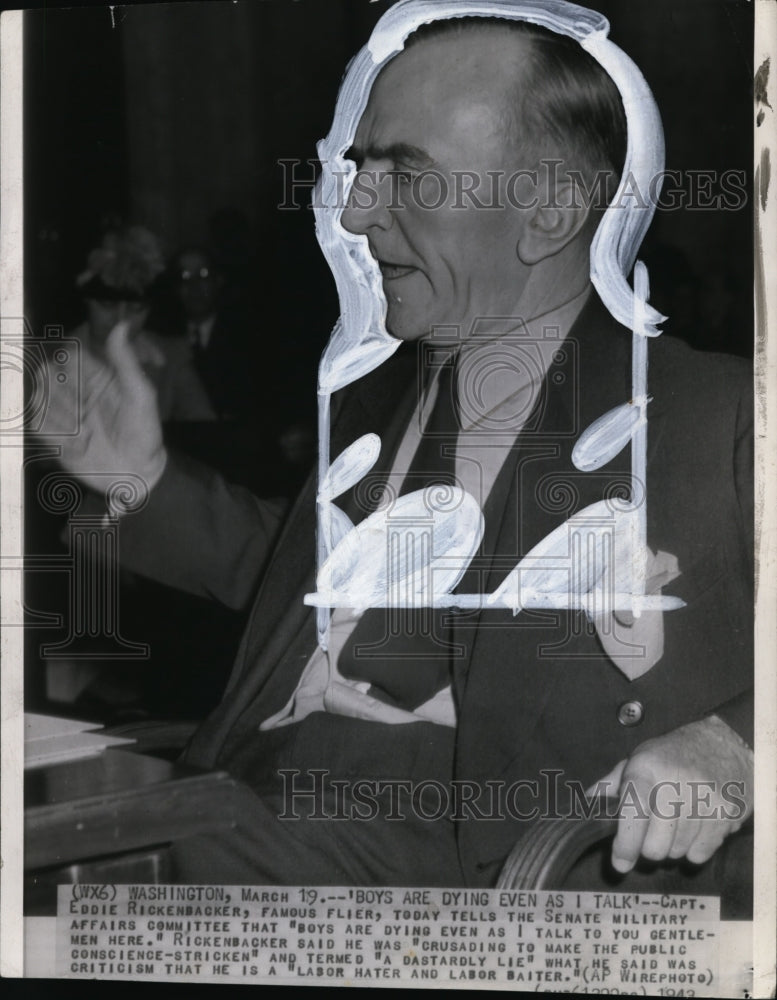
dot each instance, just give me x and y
(216, 333)
(115, 285)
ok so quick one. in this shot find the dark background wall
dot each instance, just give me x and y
(168, 113)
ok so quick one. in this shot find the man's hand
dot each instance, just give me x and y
(119, 431)
(681, 794)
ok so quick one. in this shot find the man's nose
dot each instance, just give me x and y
(369, 202)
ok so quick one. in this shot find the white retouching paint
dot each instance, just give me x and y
(360, 342)
(396, 557)
(606, 437)
(349, 467)
(590, 559)
(639, 397)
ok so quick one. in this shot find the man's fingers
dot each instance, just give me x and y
(659, 838)
(60, 400)
(687, 831)
(119, 352)
(633, 822)
(610, 783)
(96, 381)
(711, 835)
(632, 825)
(627, 845)
(57, 417)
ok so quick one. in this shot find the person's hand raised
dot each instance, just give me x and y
(119, 431)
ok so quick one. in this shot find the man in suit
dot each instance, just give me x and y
(217, 336)
(541, 704)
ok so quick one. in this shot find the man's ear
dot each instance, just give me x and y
(556, 220)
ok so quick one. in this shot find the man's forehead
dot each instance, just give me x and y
(192, 258)
(455, 79)
(481, 53)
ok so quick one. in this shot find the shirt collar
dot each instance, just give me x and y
(201, 330)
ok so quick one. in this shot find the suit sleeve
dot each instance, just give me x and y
(201, 534)
(738, 712)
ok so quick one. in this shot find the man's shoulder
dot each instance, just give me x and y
(694, 378)
(680, 356)
(672, 356)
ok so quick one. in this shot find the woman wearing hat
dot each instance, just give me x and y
(115, 286)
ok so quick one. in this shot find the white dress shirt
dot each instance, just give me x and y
(200, 331)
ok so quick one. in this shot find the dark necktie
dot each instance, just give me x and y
(405, 653)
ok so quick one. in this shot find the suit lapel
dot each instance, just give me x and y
(383, 403)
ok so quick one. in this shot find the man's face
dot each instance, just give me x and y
(434, 125)
(197, 285)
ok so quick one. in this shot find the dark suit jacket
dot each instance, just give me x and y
(224, 366)
(536, 691)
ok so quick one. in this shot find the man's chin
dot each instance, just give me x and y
(406, 323)
(443, 334)
(406, 336)
(403, 328)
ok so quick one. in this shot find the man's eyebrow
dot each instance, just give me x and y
(402, 152)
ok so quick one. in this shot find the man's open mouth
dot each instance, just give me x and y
(391, 271)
